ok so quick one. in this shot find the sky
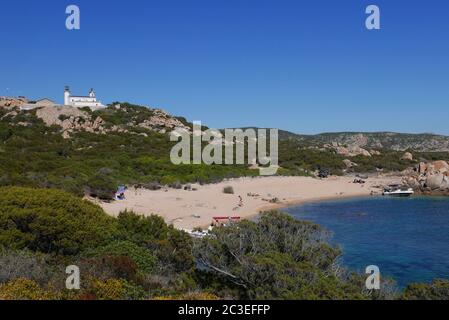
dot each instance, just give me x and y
(304, 66)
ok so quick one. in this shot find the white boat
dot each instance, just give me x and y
(398, 191)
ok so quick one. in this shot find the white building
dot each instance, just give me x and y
(82, 101)
(38, 104)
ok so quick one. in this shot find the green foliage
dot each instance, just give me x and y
(111, 289)
(437, 290)
(51, 221)
(298, 159)
(95, 164)
(276, 258)
(172, 247)
(137, 257)
(388, 161)
(141, 256)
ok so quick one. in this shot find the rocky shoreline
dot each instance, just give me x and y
(428, 178)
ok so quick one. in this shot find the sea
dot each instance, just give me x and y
(407, 238)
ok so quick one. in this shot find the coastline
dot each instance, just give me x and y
(195, 209)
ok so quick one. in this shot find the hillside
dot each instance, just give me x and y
(85, 152)
(425, 142)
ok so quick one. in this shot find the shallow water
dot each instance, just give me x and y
(408, 239)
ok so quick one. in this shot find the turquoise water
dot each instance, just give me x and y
(408, 239)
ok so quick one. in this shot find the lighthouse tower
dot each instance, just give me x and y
(67, 96)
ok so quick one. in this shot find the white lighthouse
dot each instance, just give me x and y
(66, 96)
(89, 101)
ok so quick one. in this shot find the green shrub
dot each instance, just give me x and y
(437, 290)
(51, 221)
(170, 246)
(277, 257)
(143, 258)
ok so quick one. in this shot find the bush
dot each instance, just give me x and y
(24, 289)
(20, 264)
(228, 190)
(101, 186)
(111, 289)
(276, 258)
(142, 257)
(170, 246)
(437, 290)
(51, 221)
(192, 296)
(110, 267)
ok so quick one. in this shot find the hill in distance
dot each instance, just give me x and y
(422, 142)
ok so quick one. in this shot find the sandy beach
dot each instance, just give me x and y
(190, 209)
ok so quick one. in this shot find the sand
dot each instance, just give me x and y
(190, 209)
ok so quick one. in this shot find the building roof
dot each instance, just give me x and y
(45, 99)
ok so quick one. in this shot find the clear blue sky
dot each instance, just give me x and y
(305, 66)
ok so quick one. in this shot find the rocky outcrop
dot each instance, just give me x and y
(72, 119)
(350, 151)
(162, 122)
(432, 177)
(440, 166)
(10, 102)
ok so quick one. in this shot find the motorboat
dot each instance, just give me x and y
(398, 191)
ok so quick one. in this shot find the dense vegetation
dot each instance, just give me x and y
(136, 257)
(45, 226)
(297, 157)
(38, 156)
(35, 155)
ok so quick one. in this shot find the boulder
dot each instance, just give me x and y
(407, 156)
(440, 166)
(352, 151)
(349, 164)
(411, 182)
(361, 151)
(342, 151)
(436, 181)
